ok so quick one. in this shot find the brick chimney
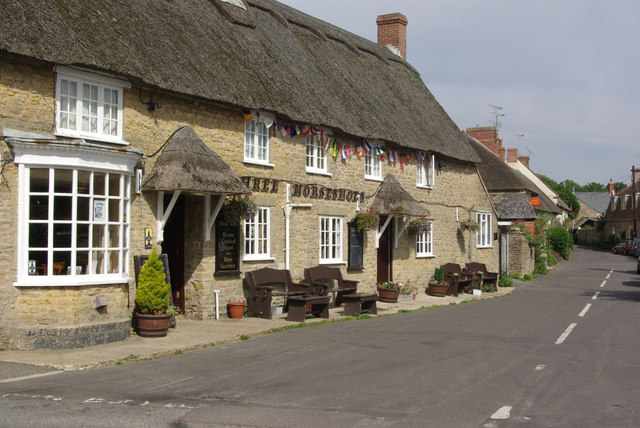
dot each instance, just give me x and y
(512, 154)
(524, 160)
(488, 136)
(392, 30)
(612, 188)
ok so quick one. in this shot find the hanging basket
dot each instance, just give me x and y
(418, 226)
(366, 220)
(469, 225)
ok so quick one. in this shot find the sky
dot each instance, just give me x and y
(566, 73)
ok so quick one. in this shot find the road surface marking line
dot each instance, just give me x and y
(540, 367)
(603, 283)
(584, 311)
(608, 276)
(502, 413)
(566, 333)
(595, 296)
(33, 376)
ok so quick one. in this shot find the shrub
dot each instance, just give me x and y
(152, 295)
(505, 282)
(560, 240)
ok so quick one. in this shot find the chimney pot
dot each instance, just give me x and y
(392, 31)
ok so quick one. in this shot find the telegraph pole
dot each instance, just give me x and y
(633, 200)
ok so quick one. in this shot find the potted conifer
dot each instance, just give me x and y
(152, 299)
(437, 285)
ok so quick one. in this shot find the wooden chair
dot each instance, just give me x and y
(327, 279)
(261, 283)
(487, 277)
(456, 278)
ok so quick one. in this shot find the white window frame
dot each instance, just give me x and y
(372, 166)
(484, 236)
(92, 161)
(257, 142)
(102, 83)
(425, 172)
(316, 157)
(330, 240)
(257, 245)
(424, 243)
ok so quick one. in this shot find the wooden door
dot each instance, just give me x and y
(385, 253)
(173, 247)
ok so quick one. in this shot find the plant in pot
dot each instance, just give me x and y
(236, 309)
(469, 225)
(437, 285)
(238, 207)
(388, 291)
(152, 299)
(366, 220)
(418, 226)
(408, 291)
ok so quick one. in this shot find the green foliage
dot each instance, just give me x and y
(239, 207)
(551, 258)
(366, 220)
(438, 275)
(505, 282)
(560, 241)
(152, 295)
(565, 192)
(593, 187)
(619, 186)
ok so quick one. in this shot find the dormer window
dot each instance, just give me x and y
(425, 171)
(256, 138)
(89, 105)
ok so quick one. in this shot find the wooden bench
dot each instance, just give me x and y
(487, 277)
(298, 307)
(261, 283)
(455, 278)
(330, 280)
(360, 303)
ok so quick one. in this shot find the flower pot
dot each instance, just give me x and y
(236, 310)
(388, 295)
(437, 290)
(404, 297)
(152, 325)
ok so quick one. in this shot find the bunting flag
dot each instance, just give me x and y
(406, 160)
(293, 131)
(327, 143)
(383, 157)
(247, 116)
(335, 150)
(367, 146)
(401, 167)
(306, 131)
(413, 158)
(379, 150)
(345, 152)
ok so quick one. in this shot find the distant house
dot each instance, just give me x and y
(136, 129)
(593, 205)
(619, 217)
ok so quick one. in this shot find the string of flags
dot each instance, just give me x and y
(332, 147)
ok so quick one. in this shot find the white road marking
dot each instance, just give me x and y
(584, 311)
(595, 296)
(502, 413)
(18, 379)
(603, 283)
(566, 333)
(540, 367)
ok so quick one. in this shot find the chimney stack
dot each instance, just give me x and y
(487, 135)
(392, 31)
(612, 188)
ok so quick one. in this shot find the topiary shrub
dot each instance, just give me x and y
(152, 294)
(560, 240)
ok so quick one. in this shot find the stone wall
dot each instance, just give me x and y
(521, 255)
(27, 103)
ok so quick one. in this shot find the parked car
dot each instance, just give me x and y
(638, 265)
(622, 248)
(635, 248)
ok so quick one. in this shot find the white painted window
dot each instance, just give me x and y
(425, 172)
(372, 166)
(330, 239)
(424, 243)
(316, 155)
(89, 105)
(257, 235)
(256, 141)
(483, 235)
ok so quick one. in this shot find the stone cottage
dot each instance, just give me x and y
(128, 125)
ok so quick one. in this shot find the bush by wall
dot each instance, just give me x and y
(560, 241)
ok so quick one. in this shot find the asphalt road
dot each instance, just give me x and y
(561, 351)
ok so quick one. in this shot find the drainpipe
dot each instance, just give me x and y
(217, 293)
(288, 207)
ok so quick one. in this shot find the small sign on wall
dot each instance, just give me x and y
(148, 238)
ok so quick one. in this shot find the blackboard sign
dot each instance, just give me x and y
(139, 261)
(356, 241)
(227, 249)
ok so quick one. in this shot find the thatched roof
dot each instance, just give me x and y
(392, 199)
(270, 57)
(187, 164)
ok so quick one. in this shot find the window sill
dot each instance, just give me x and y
(91, 137)
(332, 262)
(483, 248)
(426, 256)
(370, 178)
(255, 162)
(317, 172)
(258, 259)
(69, 281)
(421, 186)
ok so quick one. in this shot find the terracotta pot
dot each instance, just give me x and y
(236, 310)
(387, 295)
(437, 290)
(152, 325)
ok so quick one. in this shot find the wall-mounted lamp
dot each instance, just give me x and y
(151, 105)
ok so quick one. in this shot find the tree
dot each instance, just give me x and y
(594, 187)
(565, 193)
(618, 186)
